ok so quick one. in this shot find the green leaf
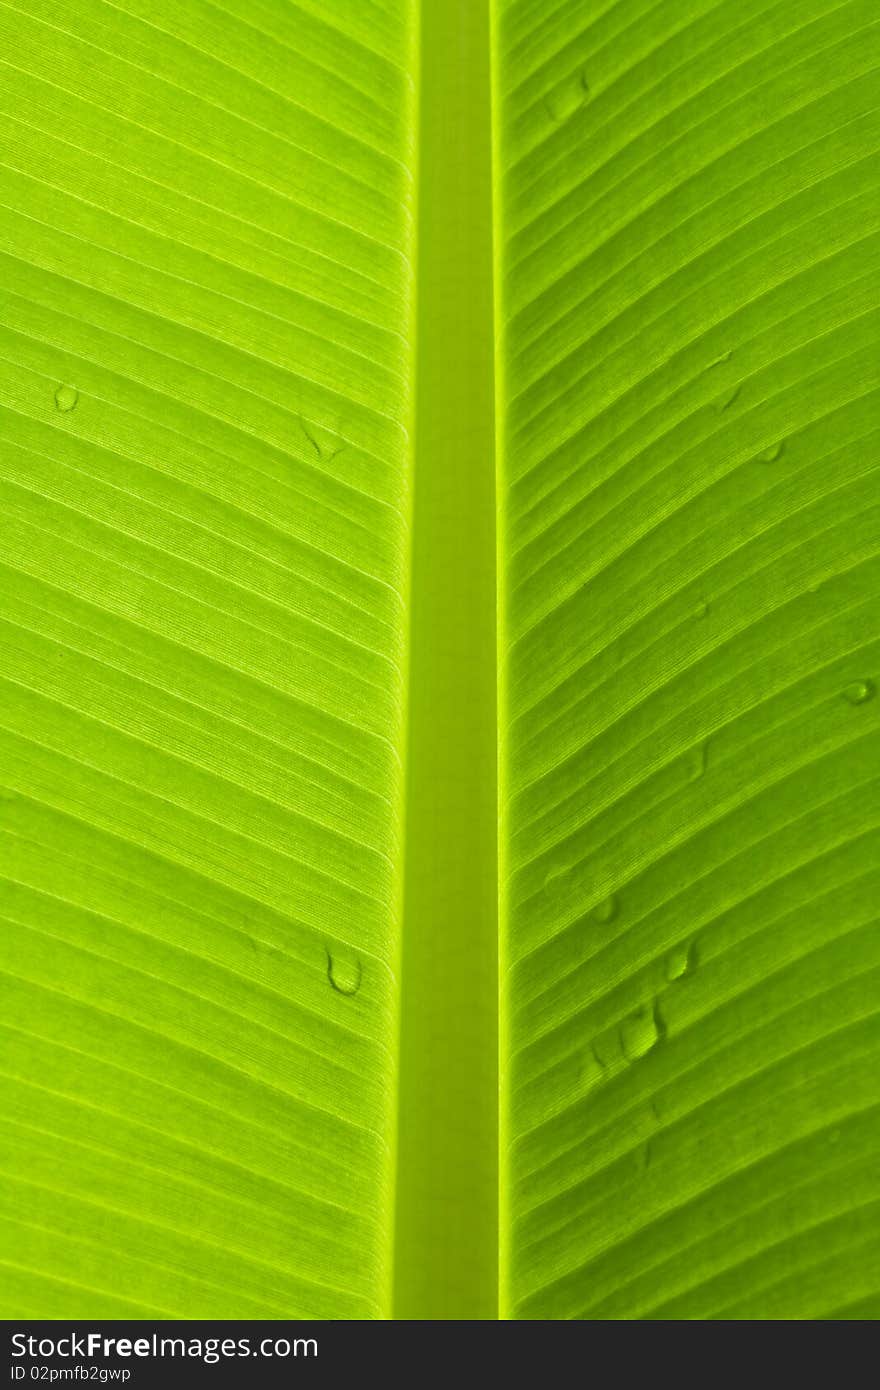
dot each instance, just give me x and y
(206, 231)
(368, 952)
(688, 257)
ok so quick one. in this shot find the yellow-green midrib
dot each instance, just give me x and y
(447, 1229)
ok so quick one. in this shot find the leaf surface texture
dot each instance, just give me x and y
(688, 356)
(206, 225)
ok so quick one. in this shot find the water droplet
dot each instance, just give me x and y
(592, 1069)
(720, 360)
(568, 97)
(606, 1049)
(324, 443)
(859, 692)
(726, 399)
(698, 759)
(66, 398)
(774, 452)
(606, 910)
(311, 438)
(701, 608)
(638, 1034)
(680, 961)
(344, 972)
(556, 880)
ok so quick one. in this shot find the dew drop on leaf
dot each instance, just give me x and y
(638, 1034)
(344, 972)
(592, 1070)
(771, 454)
(698, 760)
(726, 399)
(568, 97)
(701, 608)
(680, 961)
(323, 442)
(859, 692)
(556, 880)
(606, 1050)
(606, 910)
(66, 398)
